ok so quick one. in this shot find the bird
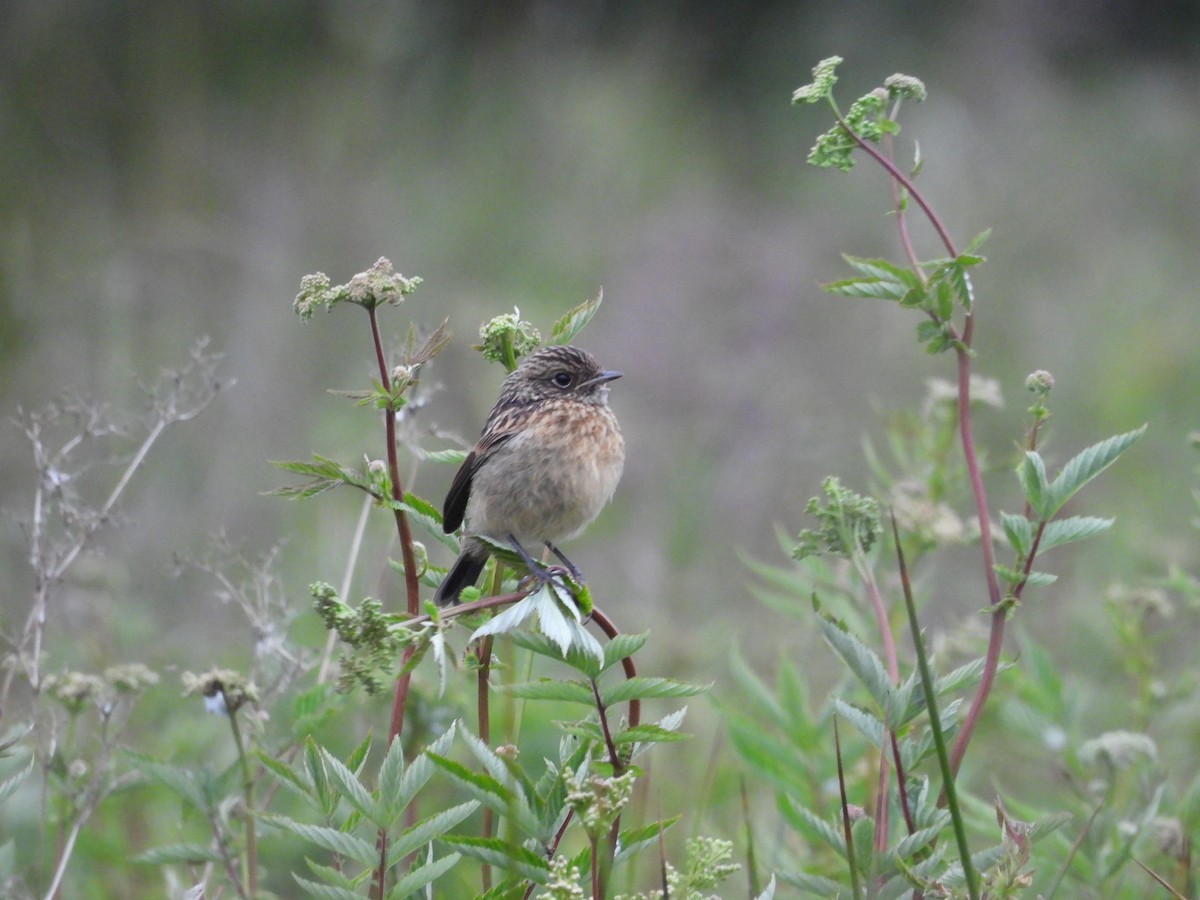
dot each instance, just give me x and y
(548, 460)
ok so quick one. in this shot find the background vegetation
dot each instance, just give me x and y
(170, 172)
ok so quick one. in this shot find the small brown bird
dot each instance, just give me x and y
(549, 459)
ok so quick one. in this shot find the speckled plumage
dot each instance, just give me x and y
(548, 461)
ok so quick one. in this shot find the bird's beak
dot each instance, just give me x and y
(602, 378)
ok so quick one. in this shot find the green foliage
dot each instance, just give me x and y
(849, 523)
(910, 836)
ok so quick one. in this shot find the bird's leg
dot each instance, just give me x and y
(572, 569)
(543, 574)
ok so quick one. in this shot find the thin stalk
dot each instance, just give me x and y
(482, 694)
(935, 725)
(848, 832)
(962, 349)
(250, 859)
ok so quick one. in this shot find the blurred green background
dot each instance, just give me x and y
(172, 170)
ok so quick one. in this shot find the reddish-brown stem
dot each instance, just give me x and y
(611, 631)
(962, 350)
(904, 180)
(995, 598)
(412, 585)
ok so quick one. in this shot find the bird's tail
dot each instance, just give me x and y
(464, 573)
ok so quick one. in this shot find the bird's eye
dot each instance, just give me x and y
(562, 379)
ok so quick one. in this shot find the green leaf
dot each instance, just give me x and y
(634, 840)
(809, 823)
(327, 891)
(572, 323)
(284, 775)
(423, 876)
(176, 854)
(352, 789)
(484, 787)
(1019, 531)
(621, 646)
(551, 689)
(1032, 474)
(502, 855)
(861, 659)
(1019, 576)
(866, 288)
(392, 799)
(429, 517)
(1073, 528)
(870, 726)
(976, 243)
(327, 800)
(648, 733)
(428, 829)
(1086, 465)
(332, 839)
(883, 269)
(641, 688)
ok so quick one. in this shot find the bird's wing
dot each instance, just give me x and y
(455, 507)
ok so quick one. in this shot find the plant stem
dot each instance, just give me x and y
(935, 726)
(847, 831)
(482, 694)
(962, 349)
(250, 860)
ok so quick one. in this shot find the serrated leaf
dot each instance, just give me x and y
(808, 822)
(622, 646)
(327, 891)
(333, 876)
(1019, 531)
(327, 800)
(332, 839)
(428, 829)
(566, 328)
(502, 855)
(1032, 475)
(1086, 465)
(642, 688)
(861, 659)
(551, 689)
(634, 840)
(883, 269)
(648, 733)
(866, 288)
(868, 725)
(352, 789)
(284, 775)
(429, 517)
(814, 885)
(918, 839)
(484, 787)
(176, 854)
(1073, 528)
(392, 799)
(423, 876)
